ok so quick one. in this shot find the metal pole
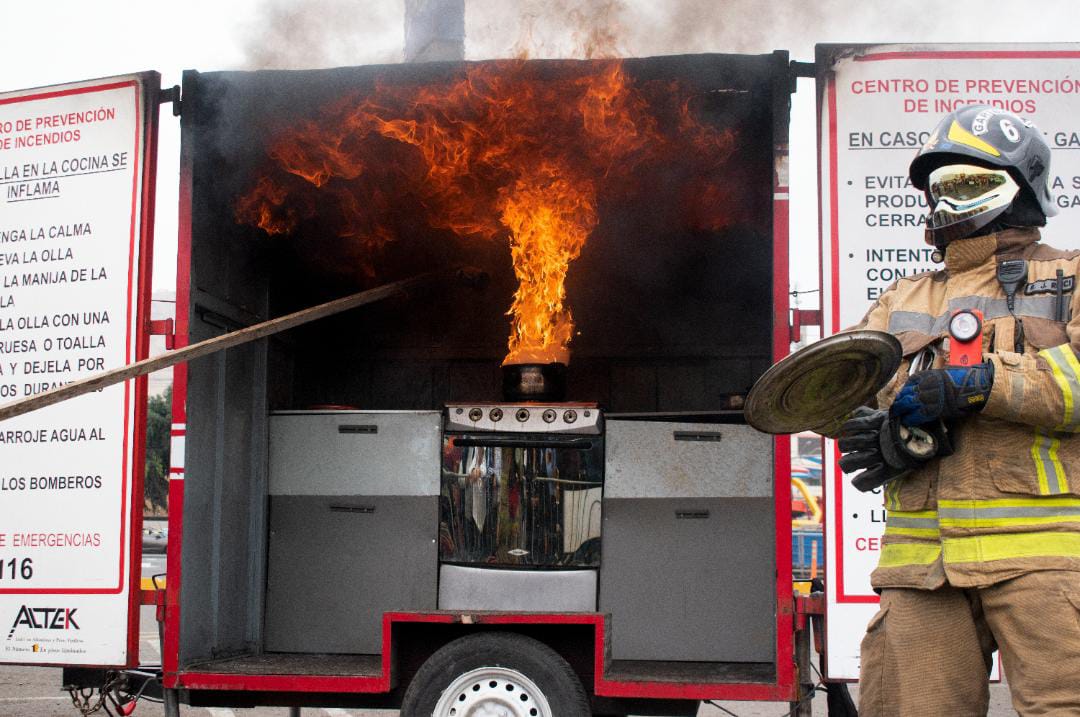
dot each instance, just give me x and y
(171, 703)
(204, 348)
(804, 707)
(170, 698)
(294, 712)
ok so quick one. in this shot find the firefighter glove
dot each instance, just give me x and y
(883, 449)
(943, 394)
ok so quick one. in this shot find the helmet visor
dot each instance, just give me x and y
(964, 198)
(970, 190)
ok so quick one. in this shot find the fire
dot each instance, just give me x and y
(549, 220)
(506, 152)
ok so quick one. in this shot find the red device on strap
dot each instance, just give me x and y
(965, 337)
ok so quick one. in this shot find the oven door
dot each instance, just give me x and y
(521, 500)
(519, 525)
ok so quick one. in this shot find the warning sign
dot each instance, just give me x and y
(877, 106)
(71, 202)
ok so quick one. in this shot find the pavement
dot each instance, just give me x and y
(35, 692)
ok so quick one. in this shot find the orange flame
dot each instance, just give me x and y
(549, 221)
(504, 152)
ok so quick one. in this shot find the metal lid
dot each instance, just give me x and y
(822, 383)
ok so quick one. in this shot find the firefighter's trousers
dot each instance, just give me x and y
(928, 652)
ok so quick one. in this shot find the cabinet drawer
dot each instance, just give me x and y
(355, 453)
(654, 459)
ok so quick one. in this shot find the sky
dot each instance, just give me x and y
(58, 41)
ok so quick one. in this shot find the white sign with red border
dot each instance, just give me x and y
(877, 105)
(71, 234)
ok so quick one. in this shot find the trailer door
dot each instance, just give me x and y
(77, 165)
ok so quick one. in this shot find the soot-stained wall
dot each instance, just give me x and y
(671, 294)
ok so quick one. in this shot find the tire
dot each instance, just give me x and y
(510, 674)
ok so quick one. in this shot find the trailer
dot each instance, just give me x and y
(385, 508)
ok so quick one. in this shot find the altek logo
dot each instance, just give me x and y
(45, 618)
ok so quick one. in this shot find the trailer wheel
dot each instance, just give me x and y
(495, 675)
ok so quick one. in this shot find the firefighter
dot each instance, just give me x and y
(982, 544)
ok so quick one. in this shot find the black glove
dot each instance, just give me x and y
(943, 393)
(885, 448)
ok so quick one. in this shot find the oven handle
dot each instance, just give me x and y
(582, 444)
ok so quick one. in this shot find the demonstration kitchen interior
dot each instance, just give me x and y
(645, 187)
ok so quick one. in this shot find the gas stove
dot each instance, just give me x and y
(578, 418)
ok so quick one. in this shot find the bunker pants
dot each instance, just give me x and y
(928, 652)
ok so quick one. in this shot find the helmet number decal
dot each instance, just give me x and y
(1009, 130)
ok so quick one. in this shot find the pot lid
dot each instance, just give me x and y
(822, 383)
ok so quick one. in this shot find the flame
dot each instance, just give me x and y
(549, 220)
(269, 206)
(505, 152)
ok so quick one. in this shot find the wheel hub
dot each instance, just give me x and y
(492, 692)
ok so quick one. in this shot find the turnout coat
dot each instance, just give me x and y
(1007, 501)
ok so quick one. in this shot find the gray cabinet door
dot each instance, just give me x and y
(688, 559)
(689, 579)
(337, 563)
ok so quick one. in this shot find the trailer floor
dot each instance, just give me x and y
(280, 663)
(690, 672)
(371, 666)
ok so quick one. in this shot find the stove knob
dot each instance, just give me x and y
(548, 416)
(570, 415)
(522, 415)
(495, 415)
(475, 414)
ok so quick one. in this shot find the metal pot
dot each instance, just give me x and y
(534, 382)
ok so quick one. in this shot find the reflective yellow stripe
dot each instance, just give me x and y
(1072, 363)
(1066, 372)
(914, 532)
(1008, 512)
(894, 555)
(1059, 469)
(1053, 356)
(917, 513)
(1044, 451)
(1002, 546)
(1004, 522)
(1063, 385)
(1009, 503)
(915, 524)
(1040, 467)
(891, 495)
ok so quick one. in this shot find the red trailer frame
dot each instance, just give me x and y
(785, 686)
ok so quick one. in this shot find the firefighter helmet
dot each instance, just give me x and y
(992, 138)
